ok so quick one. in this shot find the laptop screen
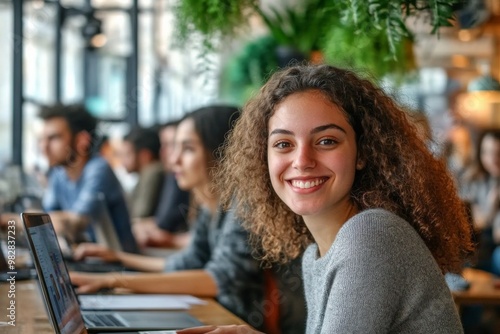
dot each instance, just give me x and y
(3, 261)
(53, 275)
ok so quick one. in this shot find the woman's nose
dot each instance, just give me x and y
(304, 158)
(174, 157)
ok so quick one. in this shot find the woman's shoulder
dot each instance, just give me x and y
(383, 237)
(378, 228)
(310, 251)
(373, 219)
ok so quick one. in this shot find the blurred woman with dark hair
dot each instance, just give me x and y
(482, 190)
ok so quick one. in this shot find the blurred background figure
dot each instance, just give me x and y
(458, 151)
(80, 183)
(168, 227)
(140, 153)
(481, 189)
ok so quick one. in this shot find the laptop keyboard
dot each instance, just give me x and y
(102, 320)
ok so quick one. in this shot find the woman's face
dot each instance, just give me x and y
(490, 155)
(189, 158)
(312, 154)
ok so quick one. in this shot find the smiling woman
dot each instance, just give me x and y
(338, 168)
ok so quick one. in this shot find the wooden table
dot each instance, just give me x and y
(31, 317)
(482, 290)
(483, 293)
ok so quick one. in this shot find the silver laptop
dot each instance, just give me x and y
(61, 301)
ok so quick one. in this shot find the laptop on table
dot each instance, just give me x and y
(8, 271)
(62, 303)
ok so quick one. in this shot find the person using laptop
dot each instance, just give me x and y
(80, 182)
(218, 262)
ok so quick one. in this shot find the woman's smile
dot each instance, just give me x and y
(308, 183)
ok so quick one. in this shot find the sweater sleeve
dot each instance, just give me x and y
(237, 274)
(198, 252)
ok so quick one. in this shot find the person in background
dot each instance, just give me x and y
(80, 182)
(140, 153)
(218, 262)
(482, 190)
(458, 152)
(104, 148)
(168, 227)
(338, 170)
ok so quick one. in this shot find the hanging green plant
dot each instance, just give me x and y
(211, 19)
(301, 27)
(245, 72)
(363, 34)
(389, 16)
(368, 50)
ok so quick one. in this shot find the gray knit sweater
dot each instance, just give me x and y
(378, 277)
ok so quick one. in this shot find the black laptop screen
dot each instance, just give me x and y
(3, 261)
(55, 282)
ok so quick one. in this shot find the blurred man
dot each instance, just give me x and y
(168, 227)
(140, 153)
(81, 185)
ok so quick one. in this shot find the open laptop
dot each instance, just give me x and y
(61, 301)
(8, 271)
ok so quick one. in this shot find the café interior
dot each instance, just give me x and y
(144, 63)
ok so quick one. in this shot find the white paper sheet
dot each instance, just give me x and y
(138, 302)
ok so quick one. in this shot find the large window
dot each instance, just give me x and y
(171, 81)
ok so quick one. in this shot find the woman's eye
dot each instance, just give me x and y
(282, 144)
(187, 149)
(327, 141)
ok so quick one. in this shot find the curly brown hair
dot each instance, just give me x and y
(400, 175)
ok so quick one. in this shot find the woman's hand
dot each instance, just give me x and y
(90, 283)
(232, 329)
(90, 249)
